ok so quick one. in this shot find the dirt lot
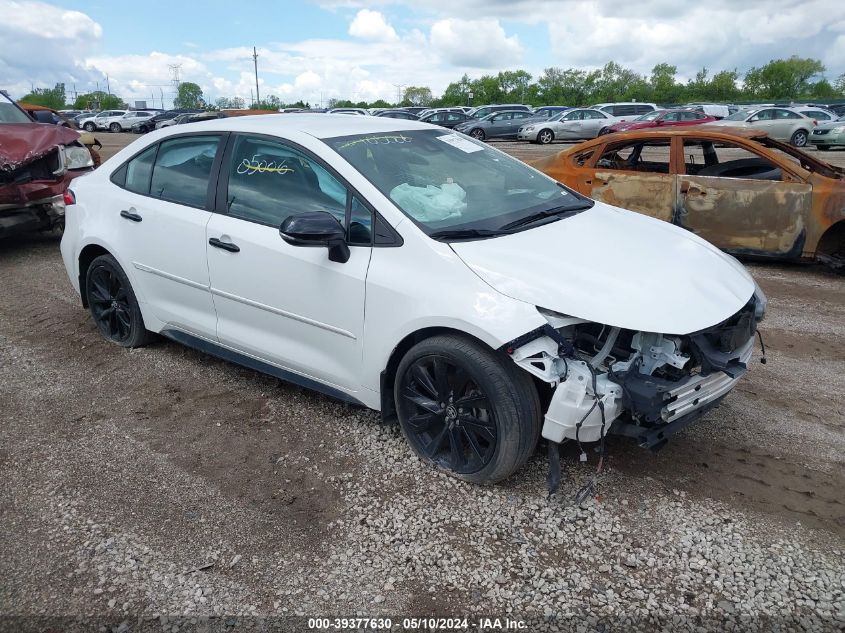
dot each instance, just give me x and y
(145, 485)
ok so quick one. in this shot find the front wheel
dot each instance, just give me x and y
(478, 134)
(466, 409)
(113, 304)
(799, 138)
(545, 137)
(89, 127)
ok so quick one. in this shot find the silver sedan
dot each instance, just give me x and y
(580, 123)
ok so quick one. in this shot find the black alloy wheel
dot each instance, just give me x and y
(450, 419)
(113, 305)
(466, 408)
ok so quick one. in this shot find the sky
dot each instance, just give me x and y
(364, 51)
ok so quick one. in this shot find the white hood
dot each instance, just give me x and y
(615, 267)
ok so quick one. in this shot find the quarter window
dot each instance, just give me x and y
(269, 182)
(138, 171)
(182, 169)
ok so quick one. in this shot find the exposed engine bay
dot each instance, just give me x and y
(642, 384)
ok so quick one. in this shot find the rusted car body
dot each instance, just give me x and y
(37, 163)
(739, 189)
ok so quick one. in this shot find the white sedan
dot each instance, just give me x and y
(414, 271)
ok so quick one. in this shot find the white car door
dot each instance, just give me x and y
(161, 214)
(287, 305)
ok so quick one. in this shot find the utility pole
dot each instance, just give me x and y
(108, 86)
(255, 61)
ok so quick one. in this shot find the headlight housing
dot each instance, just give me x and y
(73, 157)
(528, 128)
(838, 130)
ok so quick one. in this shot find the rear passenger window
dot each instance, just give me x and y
(182, 169)
(642, 156)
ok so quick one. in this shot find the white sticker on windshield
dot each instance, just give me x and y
(465, 145)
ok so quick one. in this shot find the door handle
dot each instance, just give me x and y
(130, 214)
(226, 246)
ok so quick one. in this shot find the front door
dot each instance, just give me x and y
(635, 175)
(283, 304)
(741, 201)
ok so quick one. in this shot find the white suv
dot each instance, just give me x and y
(101, 120)
(415, 271)
(125, 122)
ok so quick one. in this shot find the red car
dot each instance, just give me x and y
(661, 118)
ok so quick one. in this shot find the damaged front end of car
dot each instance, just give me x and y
(37, 163)
(644, 385)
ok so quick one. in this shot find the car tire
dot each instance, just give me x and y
(89, 127)
(799, 138)
(466, 409)
(478, 134)
(113, 304)
(114, 127)
(604, 130)
(545, 136)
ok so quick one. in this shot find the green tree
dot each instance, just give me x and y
(697, 88)
(839, 85)
(188, 95)
(723, 86)
(417, 96)
(456, 93)
(229, 103)
(271, 102)
(98, 100)
(782, 78)
(664, 88)
(48, 97)
(514, 84)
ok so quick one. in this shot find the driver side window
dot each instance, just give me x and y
(269, 181)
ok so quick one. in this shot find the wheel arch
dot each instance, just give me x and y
(388, 374)
(832, 240)
(87, 255)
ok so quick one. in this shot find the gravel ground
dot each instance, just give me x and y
(149, 489)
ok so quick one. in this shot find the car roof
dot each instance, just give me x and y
(712, 132)
(317, 125)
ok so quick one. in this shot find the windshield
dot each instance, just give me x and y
(740, 115)
(651, 116)
(448, 181)
(10, 113)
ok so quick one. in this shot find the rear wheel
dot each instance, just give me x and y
(604, 130)
(114, 127)
(545, 137)
(113, 305)
(466, 409)
(478, 134)
(799, 138)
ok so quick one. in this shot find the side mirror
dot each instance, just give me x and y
(317, 228)
(659, 122)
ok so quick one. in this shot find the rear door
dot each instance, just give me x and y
(635, 175)
(162, 215)
(741, 200)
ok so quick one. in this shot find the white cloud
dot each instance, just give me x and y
(41, 44)
(475, 43)
(372, 25)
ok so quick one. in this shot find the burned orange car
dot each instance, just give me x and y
(739, 189)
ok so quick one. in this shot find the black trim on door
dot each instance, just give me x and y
(232, 356)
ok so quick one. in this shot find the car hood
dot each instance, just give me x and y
(615, 267)
(22, 143)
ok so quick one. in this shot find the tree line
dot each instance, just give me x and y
(794, 78)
